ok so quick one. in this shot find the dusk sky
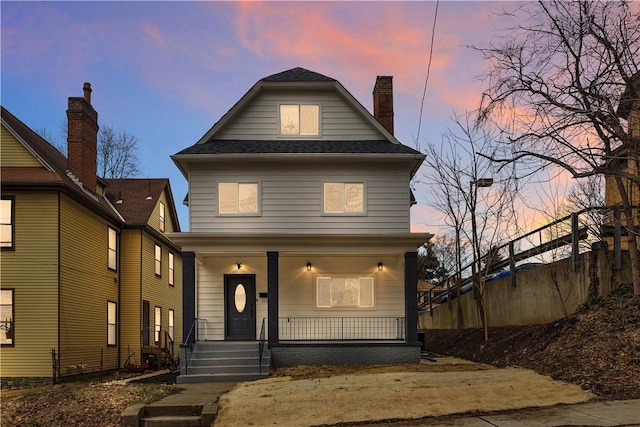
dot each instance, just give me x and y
(167, 71)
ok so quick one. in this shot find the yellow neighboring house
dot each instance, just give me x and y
(79, 287)
(628, 164)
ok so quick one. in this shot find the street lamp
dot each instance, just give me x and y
(480, 182)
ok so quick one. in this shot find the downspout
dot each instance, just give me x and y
(119, 313)
(59, 288)
(140, 303)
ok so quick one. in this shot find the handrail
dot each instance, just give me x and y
(262, 340)
(188, 347)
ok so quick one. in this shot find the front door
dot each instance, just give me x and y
(240, 307)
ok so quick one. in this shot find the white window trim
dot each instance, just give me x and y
(243, 214)
(299, 136)
(364, 199)
(358, 307)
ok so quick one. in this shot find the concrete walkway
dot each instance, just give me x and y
(598, 413)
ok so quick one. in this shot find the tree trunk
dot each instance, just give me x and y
(632, 232)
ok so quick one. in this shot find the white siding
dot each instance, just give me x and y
(210, 291)
(297, 288)
(259, 120)
(291, 197)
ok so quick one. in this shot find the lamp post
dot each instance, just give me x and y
(473, 190)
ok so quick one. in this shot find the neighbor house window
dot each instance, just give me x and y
(345, 292)
(112, 250)
(162, 217)
(171, 269)
(157, 324)
(301, 120)
(344, 198)
(7, 320)
(171, 316)
(112, 322)
(237, 198)
(6, 222)
(158, 259)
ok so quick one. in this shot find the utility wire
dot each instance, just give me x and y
(424, 93)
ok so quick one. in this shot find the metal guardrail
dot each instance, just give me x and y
(341, 328)
(437, 293)
(262, 340)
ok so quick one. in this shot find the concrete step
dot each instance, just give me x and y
(160, 410)
(228, 361)
(228, 369)
(171, 421)
(221, 377)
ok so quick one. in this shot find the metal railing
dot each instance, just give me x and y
(341, 328)
(262, 340)
(574, 233)
(187, 344)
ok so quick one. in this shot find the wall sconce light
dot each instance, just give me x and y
(379, 266)
(308, 266)
(239, 266)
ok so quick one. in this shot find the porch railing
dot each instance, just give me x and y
(341, 328)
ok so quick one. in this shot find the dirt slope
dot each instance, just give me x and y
(597, 348)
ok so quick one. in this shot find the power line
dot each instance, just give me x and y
(424, 93)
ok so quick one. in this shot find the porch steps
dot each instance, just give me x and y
(176, 415)
(228, 361)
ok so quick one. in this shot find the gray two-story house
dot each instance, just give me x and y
(299, 235)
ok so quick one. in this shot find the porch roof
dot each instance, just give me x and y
(201, 242)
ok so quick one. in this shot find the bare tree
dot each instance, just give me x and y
(456, 171)
(554, 86)
(117, 154)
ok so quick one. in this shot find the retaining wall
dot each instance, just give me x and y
(542, 294)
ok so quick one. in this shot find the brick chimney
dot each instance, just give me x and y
(82, 139)
(383, 101)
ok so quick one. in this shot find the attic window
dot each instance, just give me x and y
(303, 120)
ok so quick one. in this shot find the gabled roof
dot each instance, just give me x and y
(136, 198)
(220, 146)
(296, 78)
(298, 74)
(54, 170)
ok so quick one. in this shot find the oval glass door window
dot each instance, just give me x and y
(240, 298)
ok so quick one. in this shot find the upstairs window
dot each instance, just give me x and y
(112, 250)
(6, 222)
(344, 198)
(237, 198)
(303, 120)
(171, 269)
(158, 259)
(162, 217)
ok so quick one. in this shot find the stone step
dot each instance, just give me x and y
(160, 410)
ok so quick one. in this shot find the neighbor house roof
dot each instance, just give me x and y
(53, 173)
(136, 198)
